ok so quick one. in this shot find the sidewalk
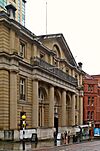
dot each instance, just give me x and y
(40, 146)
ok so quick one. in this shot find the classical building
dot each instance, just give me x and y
(18, 5)
(38, 76)
(92, 101)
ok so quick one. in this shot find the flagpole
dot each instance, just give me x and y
(46, 17)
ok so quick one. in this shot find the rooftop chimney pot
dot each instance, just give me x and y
(11, 10)
(80, 65)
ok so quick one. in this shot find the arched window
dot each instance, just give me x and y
(57, 51)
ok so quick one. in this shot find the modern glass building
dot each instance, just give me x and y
(20, 9)
(3, 3)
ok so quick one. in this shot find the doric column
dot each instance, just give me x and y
(13, 100)
(81, 110)
(63, 99)
(73, 110)
(51, 106)
(35, 104)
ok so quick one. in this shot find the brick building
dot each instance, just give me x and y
(97, 122)
(38, 76)
(92, 101)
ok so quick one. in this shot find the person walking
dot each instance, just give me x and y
(55, 138)
(65, 138)
(68, 137)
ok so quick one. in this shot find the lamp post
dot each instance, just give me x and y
(23, 126)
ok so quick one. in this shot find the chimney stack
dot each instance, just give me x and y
(80, 65)
(11, 10)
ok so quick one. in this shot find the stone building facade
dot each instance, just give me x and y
(38, 76)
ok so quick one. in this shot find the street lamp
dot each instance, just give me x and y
(23, 117)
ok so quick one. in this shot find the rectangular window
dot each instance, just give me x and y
(88, 115)
(92, 101)
(67, 71)
(22, 88)
(89, 101)
(75, 102)
(89, 87)
(92, 115)
(42, 56)
(22, 50)
(75, 76)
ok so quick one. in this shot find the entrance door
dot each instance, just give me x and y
(56, 123)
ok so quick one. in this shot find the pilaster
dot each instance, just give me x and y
(63, 99)
(73, 110)
(51, 106)
(35, 104)
(12, 41)
(35, 51)
(81, 110)
(13, 100)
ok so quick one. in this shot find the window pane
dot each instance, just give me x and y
(22, 49)
(22, 88)
(88, 100)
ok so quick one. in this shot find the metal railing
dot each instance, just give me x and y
(43, 65)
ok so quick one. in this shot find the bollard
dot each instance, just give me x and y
(23, 140)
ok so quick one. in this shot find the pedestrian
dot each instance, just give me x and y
(55, 137)
(68, 137)
(65, 137)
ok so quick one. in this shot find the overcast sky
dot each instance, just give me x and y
(77, 20)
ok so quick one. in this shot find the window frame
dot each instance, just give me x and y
(92, 101)
(89, 100)
(88, 115)
(92, 115)
(89, 88)
(42, 55)
(22, 88)
(22, 49)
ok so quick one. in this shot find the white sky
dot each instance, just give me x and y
(77, 20)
